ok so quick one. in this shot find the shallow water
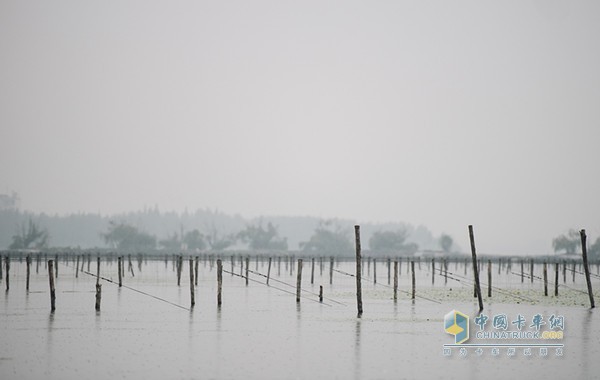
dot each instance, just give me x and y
(261, 333)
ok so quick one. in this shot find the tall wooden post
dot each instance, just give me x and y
(358, 271)
(556, 279)
(432, 271)
(52, 290)
(586, 268)
(475, 269)
(77, 268)
(412, 271)
(269, 271)
(196, 271)
(299, 281)
(192, 297)
(531, 270)
(312, 271)
(374, 271)
(545, 279)
(395, 280)
(179, 268)
(120, 265)
(28, 261)
(331, 270)
(247, 270)
(490, 278)
(522, 277)
(219, 282)
(98, 286)
(389, 270)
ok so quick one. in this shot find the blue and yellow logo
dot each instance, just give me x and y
(457, 324)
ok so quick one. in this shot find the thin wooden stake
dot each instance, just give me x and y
(412, 271)
(120, 265)
(52, 290)
(556, 279)
(192, 296)
(247, 269)
(358, 271)
(432, 271)
(490, 278)
(269, 271)
(374, 271)
(219, 282)
(28, 261)
(320, 293)
(98, 286)
(312, 271)
(299, 280)
(331, 270)
(196, 271)
(586, 268)
(395, 280)
(77, 268)
(475, 269)
(545, 279)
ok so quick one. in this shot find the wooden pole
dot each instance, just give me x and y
(312, 271)
(269, 271)
(196, 271)
(247, 269)
(219, 282)
(119, 264)
(98, 286)
(412, 271)
(545, 279)
(374, 271)
(475, 269)
(531, 270)
(7, 267)
(522, 276)
(564, 267)
(331, 270)
(445, 271)
(299, 280)
(52, 290)
(432, 271)
(389, 270)
(179, 268)
(56, 266)
(77, 268)
(586, 268)
(28, 261)
(556, 279)
(358, 271)
(192, 298)
(320, 293)
(0, 267)
(395, 280)
(489, 278)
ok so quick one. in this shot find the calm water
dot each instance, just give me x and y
(261, 333)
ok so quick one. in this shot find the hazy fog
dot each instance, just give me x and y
(438, 113)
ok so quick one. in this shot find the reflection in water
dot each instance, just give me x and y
(585, 343)
(357, 354)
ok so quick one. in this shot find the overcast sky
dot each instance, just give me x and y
(442, 113)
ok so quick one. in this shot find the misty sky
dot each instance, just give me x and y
(442, 113)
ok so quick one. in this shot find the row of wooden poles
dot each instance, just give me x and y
(477, 287)
(193, 271)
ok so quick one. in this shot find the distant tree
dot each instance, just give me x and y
(216, 242)
(194, 240)
(127, 237)
(446, 243)
(594, 250)
(388, 240)
(569, 243)
(259, 238)
(329, 238)
(30, 236)
(171, 242)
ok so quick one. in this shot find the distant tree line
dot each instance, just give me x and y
(206, 229)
